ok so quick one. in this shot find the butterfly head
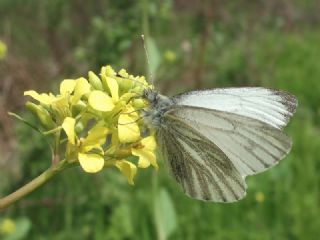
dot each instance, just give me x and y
(151, 96)
(158, 105)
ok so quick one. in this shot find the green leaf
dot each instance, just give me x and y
(165, 215)
(154, 55)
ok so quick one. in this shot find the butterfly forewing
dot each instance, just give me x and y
(252, 145)
(270, 106)
(201, 168)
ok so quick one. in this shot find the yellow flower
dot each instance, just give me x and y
(259, 197)
(71, 92)
(101, 101)
(89, 151)
(7, 226)
(145, 152)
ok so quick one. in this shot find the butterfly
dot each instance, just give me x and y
(212, 139)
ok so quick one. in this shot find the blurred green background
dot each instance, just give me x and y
(192, 45)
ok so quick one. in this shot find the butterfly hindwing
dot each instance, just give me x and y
(198, 165)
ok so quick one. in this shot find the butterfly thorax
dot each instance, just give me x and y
(158, 105)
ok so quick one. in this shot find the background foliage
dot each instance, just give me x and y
(194, 45)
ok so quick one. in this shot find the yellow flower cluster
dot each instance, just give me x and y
(97, 121)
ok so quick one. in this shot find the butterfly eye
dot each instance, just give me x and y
(148, 95)
(145, 93)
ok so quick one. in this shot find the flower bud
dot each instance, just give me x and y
(42, 114)
(108, 70)
(79, 127)
(138, 103)
(105, 83)
(95, 81)
(128, 96)
(79, 107)
(125, 84)
(123, 73)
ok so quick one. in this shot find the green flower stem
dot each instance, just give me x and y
(48, 174)
(33, 185)
(55, 130)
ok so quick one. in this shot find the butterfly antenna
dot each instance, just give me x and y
(134, 111)
(131, 122)
(148, 59)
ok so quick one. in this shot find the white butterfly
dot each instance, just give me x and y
(213, 139)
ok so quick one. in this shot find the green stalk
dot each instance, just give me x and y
(31, 186)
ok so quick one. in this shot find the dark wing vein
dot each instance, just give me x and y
(198, 165)
(252, 145)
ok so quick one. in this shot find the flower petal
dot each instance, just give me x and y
(91, 163)
(128, 169)
(67, 86)
(96, 136)
(82, 87)
(100, 101)
(42, 98)
(68, 126)
(128, 129)
(145, 158)
(149, 143)
(114, 88)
